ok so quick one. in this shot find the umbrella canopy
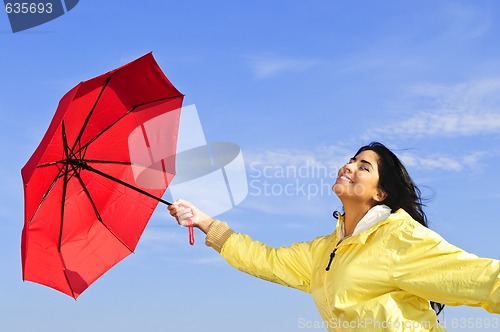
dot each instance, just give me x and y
(99, 172)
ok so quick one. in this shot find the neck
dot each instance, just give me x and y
(353, 214)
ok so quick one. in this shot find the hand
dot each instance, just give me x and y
(183, 210)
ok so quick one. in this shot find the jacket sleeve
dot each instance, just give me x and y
(290, 266)
(424, 264)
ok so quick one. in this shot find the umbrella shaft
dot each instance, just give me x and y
(128, 185)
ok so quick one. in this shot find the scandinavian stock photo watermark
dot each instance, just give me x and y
(308, 180)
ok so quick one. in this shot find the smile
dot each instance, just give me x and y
(345, 178)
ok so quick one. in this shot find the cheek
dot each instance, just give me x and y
(362, 176)
(367, 179)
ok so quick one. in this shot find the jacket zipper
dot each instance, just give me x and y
(332, 255)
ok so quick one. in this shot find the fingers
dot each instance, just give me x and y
(182, 202)
(181, 210)
(172, 208)
(185, 213)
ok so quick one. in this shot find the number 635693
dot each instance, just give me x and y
(28, 8)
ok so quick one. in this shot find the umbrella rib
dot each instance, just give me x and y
(84, 187)
(59, 244)
(57, 177)
(98, 215)
(121, 118)
(52, 163)
(63, 204)
(164, 169)
(65, 186)
(113, 162)
(104, 130)
(156, 100)
(84, 126)
(66, 276)
(97, 161)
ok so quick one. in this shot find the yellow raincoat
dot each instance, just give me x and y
(379, 280)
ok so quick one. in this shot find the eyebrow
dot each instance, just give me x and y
(363, 161)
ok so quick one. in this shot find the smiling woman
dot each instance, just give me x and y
(382, 269)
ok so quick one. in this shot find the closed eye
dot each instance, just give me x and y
(365, 165)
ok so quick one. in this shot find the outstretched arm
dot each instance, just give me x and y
(289, 266)
(426, 265)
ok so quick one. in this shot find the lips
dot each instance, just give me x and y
(344, 178)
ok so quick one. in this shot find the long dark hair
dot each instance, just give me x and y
(394, 180)
(402, 193)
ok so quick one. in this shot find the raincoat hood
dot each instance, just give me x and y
(374, 215)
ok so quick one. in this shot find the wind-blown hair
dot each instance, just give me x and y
(394, 180)
(402, 193)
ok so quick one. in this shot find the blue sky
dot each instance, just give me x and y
(297, 85)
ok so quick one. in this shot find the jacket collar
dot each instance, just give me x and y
(372, 217)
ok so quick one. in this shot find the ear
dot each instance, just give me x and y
(380, 195)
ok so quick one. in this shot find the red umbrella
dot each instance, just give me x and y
(98, 174)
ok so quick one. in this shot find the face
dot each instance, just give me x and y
(358, 180)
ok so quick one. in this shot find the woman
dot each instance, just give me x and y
(382, 269)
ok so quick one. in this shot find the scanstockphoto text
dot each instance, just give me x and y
(465, 323)
(368, 324)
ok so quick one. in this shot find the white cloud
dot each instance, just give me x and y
(290, 160)
(324, 161)
(442, 162)
(265, 66)
(449, 111)
(447, 124)
(163, 237)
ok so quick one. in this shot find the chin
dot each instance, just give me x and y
(338, 189)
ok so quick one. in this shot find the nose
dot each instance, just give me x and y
(344, 170)
(348, 168)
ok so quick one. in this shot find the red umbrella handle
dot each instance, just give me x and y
(190, 227)
(190, 231)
